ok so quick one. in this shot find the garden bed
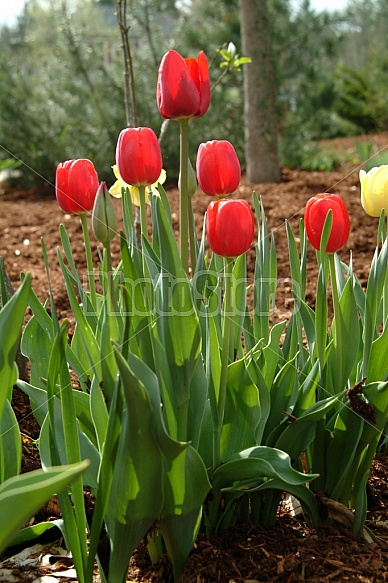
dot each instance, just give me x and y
(290, 551)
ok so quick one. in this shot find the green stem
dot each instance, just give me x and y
(143, 212)
(192, 231)
(144, 232)
(226, 332)
(109, 274)
(127, 215)
(89, 260)
(337, 313)
(184, 198)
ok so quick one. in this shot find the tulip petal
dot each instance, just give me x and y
(116, 189)
(374, 190)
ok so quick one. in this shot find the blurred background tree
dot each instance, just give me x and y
(61, 77)
(260, 111)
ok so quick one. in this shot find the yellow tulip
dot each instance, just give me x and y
(115, 190)
(374, 190)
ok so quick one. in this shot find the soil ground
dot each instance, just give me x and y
(290, 551)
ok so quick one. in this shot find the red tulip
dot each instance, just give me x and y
(218, 168)
(138, 156)
(315, 214)
(229, 227)
(183, 88)
(76, 184)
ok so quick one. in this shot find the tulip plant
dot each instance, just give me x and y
(194, 410)
(20, 495)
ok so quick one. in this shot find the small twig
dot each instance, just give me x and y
(129, 86)
(129, 79)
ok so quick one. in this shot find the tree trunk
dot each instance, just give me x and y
(260, 119)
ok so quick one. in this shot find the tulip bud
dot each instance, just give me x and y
(104, 219)
(218, 168)
(374, 190)
(229, 227)
(316, 211)
(76, 184)
(183, 88)
(191, 180)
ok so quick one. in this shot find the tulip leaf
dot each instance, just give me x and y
(136, 496)
(185, 487)
(138, 338)
(345, 352)
(38, 399)
(11, 321)
(377, 396)
(271, 354)
(198, 397)
(360, 506)
(40, 313)
(377, 363)
(10, 444)
(69, 255)
(99, 414)
(86, 331)
(213, 365)
(283, 396)
(297, 263)
(23, 495)
(308, 319)
(263, 394)
(301, 431)
(87, 449)
(82, 404)
(250, 467)
(36, 345)
(306, 394)
(178, 322)
(239, 291)
(172, 468)
(321, 317)
(30, 533)
(242, 411)
(302, 493)
(341, 454)
(373, 296)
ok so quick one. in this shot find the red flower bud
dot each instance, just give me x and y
(76, 184)
(138, 156)
(218, 168)
(229, 227)
(183, 88)
(315, 214)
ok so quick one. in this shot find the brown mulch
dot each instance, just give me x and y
(290, 551)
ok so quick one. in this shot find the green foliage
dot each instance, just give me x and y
(68, 102)
(311, 156)
(356, 99)
(23, 495)
(369, 156)
(20, 496)
(56, 104)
